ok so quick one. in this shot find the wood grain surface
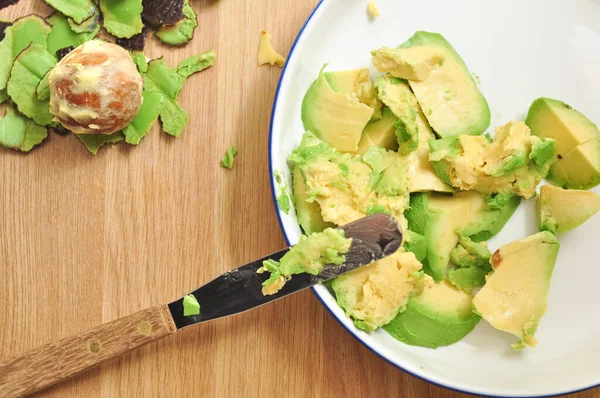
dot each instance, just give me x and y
(85, 240)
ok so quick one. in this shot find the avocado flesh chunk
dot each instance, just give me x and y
(17, 37)
(550, 118)
(336, 118)
(449, 96)
(396, 94)
(122, 18)
(373, 295)
(61, 35)
(308, 213)
(563, 210)
(441, 219)
(27, 72)
(439, 316)
(412, 63)
(506, 205)
(471, 262)
(577, 142)
(182, 32)
(78, 10)
(19, 132)
(513, 164)
(514, 297)
(356, 81)
(310, 256)
(380, 133)
(579, 168)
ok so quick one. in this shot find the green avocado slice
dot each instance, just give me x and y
(17, 37)
(336, 118)
(183, 31)
(514, 297)
(122, 18)
(28, 71)
(561, 210)
(449, 96)
(439, 316)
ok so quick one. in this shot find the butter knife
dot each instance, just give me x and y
(236, 291)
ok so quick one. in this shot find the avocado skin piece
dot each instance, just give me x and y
(431, 320)
(3, 26)
(78, 10)
(122, 18)
(448, 123)
(6, 3)
(181, 32)
(27, 72)
(18, 36)
(61, 35)
(162, 12)
(135, 42)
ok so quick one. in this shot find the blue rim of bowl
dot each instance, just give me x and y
(280, 221)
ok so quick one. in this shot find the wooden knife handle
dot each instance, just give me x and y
(52, 363)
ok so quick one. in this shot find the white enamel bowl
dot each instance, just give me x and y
(521, 50)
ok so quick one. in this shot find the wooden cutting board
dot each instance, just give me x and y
(86, 239)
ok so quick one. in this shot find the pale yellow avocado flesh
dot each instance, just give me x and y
(401, 101)
(449, 96)
(266, 52)
(374, 294)
(308, 213)
(561, 210)
(336, 118)
(480, 165)
(554, 119)
(514, 297)
(356, 82)
(380, 133)
(578, 168)
(420, 173)
(413, 63)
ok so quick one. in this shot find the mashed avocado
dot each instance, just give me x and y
(514, 163)
(309, 256)
(471, 263)
(346, 186)
(374, 294)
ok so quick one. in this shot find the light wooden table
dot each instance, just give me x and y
(85, 240)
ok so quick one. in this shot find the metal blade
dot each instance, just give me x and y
(240, 290)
